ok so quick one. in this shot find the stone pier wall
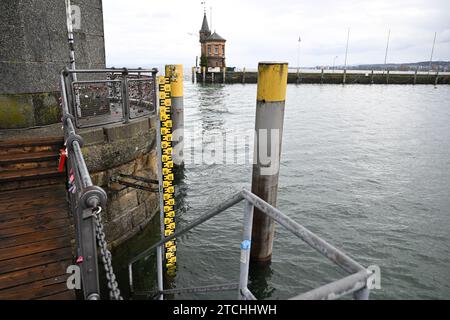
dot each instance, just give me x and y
(128, 149)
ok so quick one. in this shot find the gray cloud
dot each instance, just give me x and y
(142, 32)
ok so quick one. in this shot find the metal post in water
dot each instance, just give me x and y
(432, 53)
(224, 74)
(212, 77)
(437, 78)
(193, 74)
(415, 77)
(387, 76)
(271, 96)
(372, 77)
(346, 55)
(204, 74)
(243, 75)
(175, 73)
(321, 77)
(387, 49)
(245, 248)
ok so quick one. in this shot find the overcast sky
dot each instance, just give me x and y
(154, 33)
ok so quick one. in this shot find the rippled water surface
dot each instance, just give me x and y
(365, 167)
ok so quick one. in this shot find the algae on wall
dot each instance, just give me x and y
(29, 110)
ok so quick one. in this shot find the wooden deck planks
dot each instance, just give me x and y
(35, 243)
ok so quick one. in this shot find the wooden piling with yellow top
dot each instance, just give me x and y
(271, 96)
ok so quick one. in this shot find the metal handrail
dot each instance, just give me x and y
(356, 283)
(84, 198)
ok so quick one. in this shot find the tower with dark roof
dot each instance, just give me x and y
(212, 47)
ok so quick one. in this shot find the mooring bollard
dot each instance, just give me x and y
(175, 72)
(271, 95)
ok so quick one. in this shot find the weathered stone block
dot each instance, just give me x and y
(100, 178)
(126, 131)
(118, 153)
(138, 215)
(117, 228)
(121, 203)
(92, 136)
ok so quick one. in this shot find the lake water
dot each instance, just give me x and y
(367, 168)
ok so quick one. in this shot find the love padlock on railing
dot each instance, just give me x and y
(62, 159)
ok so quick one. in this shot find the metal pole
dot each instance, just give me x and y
(243, 75)
(387, 77)
(245, 249)
(159, 251)
(387, 48)
(125, 98)
(334, 63)
(321, 77)
(159, 263)
(224, 74)
(432, 52)
(70, 38)
(175, 72)
(204, 74)
(415, 77)
(372, 77)
(271, 96)
(346, 55)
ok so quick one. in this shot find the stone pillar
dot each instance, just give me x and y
(33, 52)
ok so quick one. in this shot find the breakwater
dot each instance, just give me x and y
(330, 77)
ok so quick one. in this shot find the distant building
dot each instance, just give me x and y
(212, 47)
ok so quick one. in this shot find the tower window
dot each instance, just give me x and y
(216, 50)
(209, 50)
(223, 51)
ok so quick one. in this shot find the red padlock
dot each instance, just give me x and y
(62, 159)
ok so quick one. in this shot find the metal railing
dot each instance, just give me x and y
(120, 95)
(358, 282)
(86, 202)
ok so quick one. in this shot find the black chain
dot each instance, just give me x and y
(114, 291)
